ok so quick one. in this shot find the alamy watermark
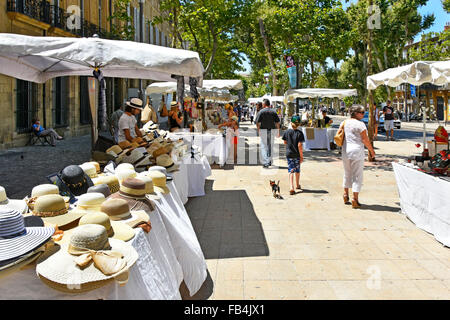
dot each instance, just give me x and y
(74, 20)
(374, 20)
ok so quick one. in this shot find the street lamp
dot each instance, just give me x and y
(141, 38)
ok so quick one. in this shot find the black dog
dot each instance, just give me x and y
(275, 189)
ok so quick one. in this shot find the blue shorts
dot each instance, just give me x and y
(293, 165)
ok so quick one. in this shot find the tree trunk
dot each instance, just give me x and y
(369, 72)
(214, 49)
(269, 56)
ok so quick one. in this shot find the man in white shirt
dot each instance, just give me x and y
(128, 129)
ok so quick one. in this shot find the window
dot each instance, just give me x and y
(60, 101)
(157, 38)
(26, 104)
(85, 112)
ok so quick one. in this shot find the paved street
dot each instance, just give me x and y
(311, 245)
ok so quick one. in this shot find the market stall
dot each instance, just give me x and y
(318, 138)
(423, 189)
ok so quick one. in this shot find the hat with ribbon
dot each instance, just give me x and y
(114, 229)
(159, 181)
(41, 190)
(111, 181)
(100, 188)
(75, 179)
(54, 210)
(119, 210)
(125, 145)
(90, 201)
(168, 175)
(132, 188)
(124, 165)
(150, 126)
(17, 237)
(115, 150)
(5, 202)
(87, 261)
(135, 103)
(89, 169)
(166, 161)
(149, 190)
(125, 174)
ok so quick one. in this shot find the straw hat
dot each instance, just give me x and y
(111, 181)
(135, 103)
(132, 188)
(10, 266)
(114, 229)
(43, 189)
(17, 237)
(150, 126)
(96, 165)
(19, 205)
(140, 141)
(74, 178)
(166, 161)
(90, 201)
(122, 166)
(69, 267)
(101, 188)
(125, 145)
(54, 210)
(144, 164)
(159, 181)
(169, 176)
(134, 157)
(149, 137)
(149, 190)
(114, 150)
(125, 174)
(89, 169)
(119, 210)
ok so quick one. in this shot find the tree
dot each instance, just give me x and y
(122, 28)
(433, 46)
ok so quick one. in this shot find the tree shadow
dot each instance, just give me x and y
(377, 207)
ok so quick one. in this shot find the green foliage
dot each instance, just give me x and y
(446, 5)
(432, 47)
(122, 28)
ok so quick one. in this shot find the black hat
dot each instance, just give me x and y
(74, 178)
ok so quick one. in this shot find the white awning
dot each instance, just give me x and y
(223, 84)
(292, 94)
(39, 59)
(417, 73)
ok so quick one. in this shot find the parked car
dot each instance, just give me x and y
(365, 119)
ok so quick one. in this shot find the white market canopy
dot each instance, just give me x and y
(39, 59)
(223, 84)
(417, 73)
(292, 94)
(208, 94)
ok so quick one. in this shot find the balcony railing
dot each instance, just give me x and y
(55, 16)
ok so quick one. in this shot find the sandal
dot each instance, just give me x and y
(292, 192)
(346, 199)
(356, 204)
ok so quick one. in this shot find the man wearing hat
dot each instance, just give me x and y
(128, 129)
(175, 121)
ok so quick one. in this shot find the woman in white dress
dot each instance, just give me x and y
(353, 153)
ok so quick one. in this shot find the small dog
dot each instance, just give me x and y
(275, 189)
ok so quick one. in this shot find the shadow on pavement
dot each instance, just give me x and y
(203, 293)
(226, 224)
(377, 207)
(314, 191)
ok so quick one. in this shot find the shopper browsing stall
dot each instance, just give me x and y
(128, 128)
(175, 119)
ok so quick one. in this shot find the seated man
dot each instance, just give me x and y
(326, 119)
(41, 132)
(128, 129)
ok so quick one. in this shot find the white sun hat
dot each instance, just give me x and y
(19, 205)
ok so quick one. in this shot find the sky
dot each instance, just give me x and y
(433, 6)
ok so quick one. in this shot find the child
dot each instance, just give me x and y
(293, 139)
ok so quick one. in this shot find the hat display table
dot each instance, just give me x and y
(190, 179)
(156, 275)
(213, 146)
(425, 200)
(316, 138)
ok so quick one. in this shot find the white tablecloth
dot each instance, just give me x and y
(184, 240)
(320, 141)
(425, 200)
(156, 275)
(190, 179)
(213, 146)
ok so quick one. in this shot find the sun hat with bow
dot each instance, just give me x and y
(41, 190)
(19, 205)
(135, 103)
(87, 262)
(119, 210)
(159, 181)
(75, 179)
(16, 238)
(54, 210)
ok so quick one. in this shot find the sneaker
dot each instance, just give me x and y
(266, 166)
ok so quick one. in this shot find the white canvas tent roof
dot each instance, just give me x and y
(417, 73)
(39, 59)
(170, 87)
(292, 94)
(222, 84)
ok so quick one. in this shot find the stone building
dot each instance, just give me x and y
(63, 103)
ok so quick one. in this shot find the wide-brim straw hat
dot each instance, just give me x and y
(167, 162)
(21, 262)
(26, 240)
(45, 208)
(57, 269)
(135, 103)
(139, 209)
(5, 202)
(159, 181)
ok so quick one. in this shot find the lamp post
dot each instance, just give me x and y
(141, 38)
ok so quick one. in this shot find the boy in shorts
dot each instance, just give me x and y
(293, 139)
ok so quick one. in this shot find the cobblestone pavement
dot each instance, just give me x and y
(25, 167)
(311, 245)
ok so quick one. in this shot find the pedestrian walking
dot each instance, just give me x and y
(389, 120)
(355, 139)
(293, 139)
(267, 121)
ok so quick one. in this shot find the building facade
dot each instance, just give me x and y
(63, 103)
